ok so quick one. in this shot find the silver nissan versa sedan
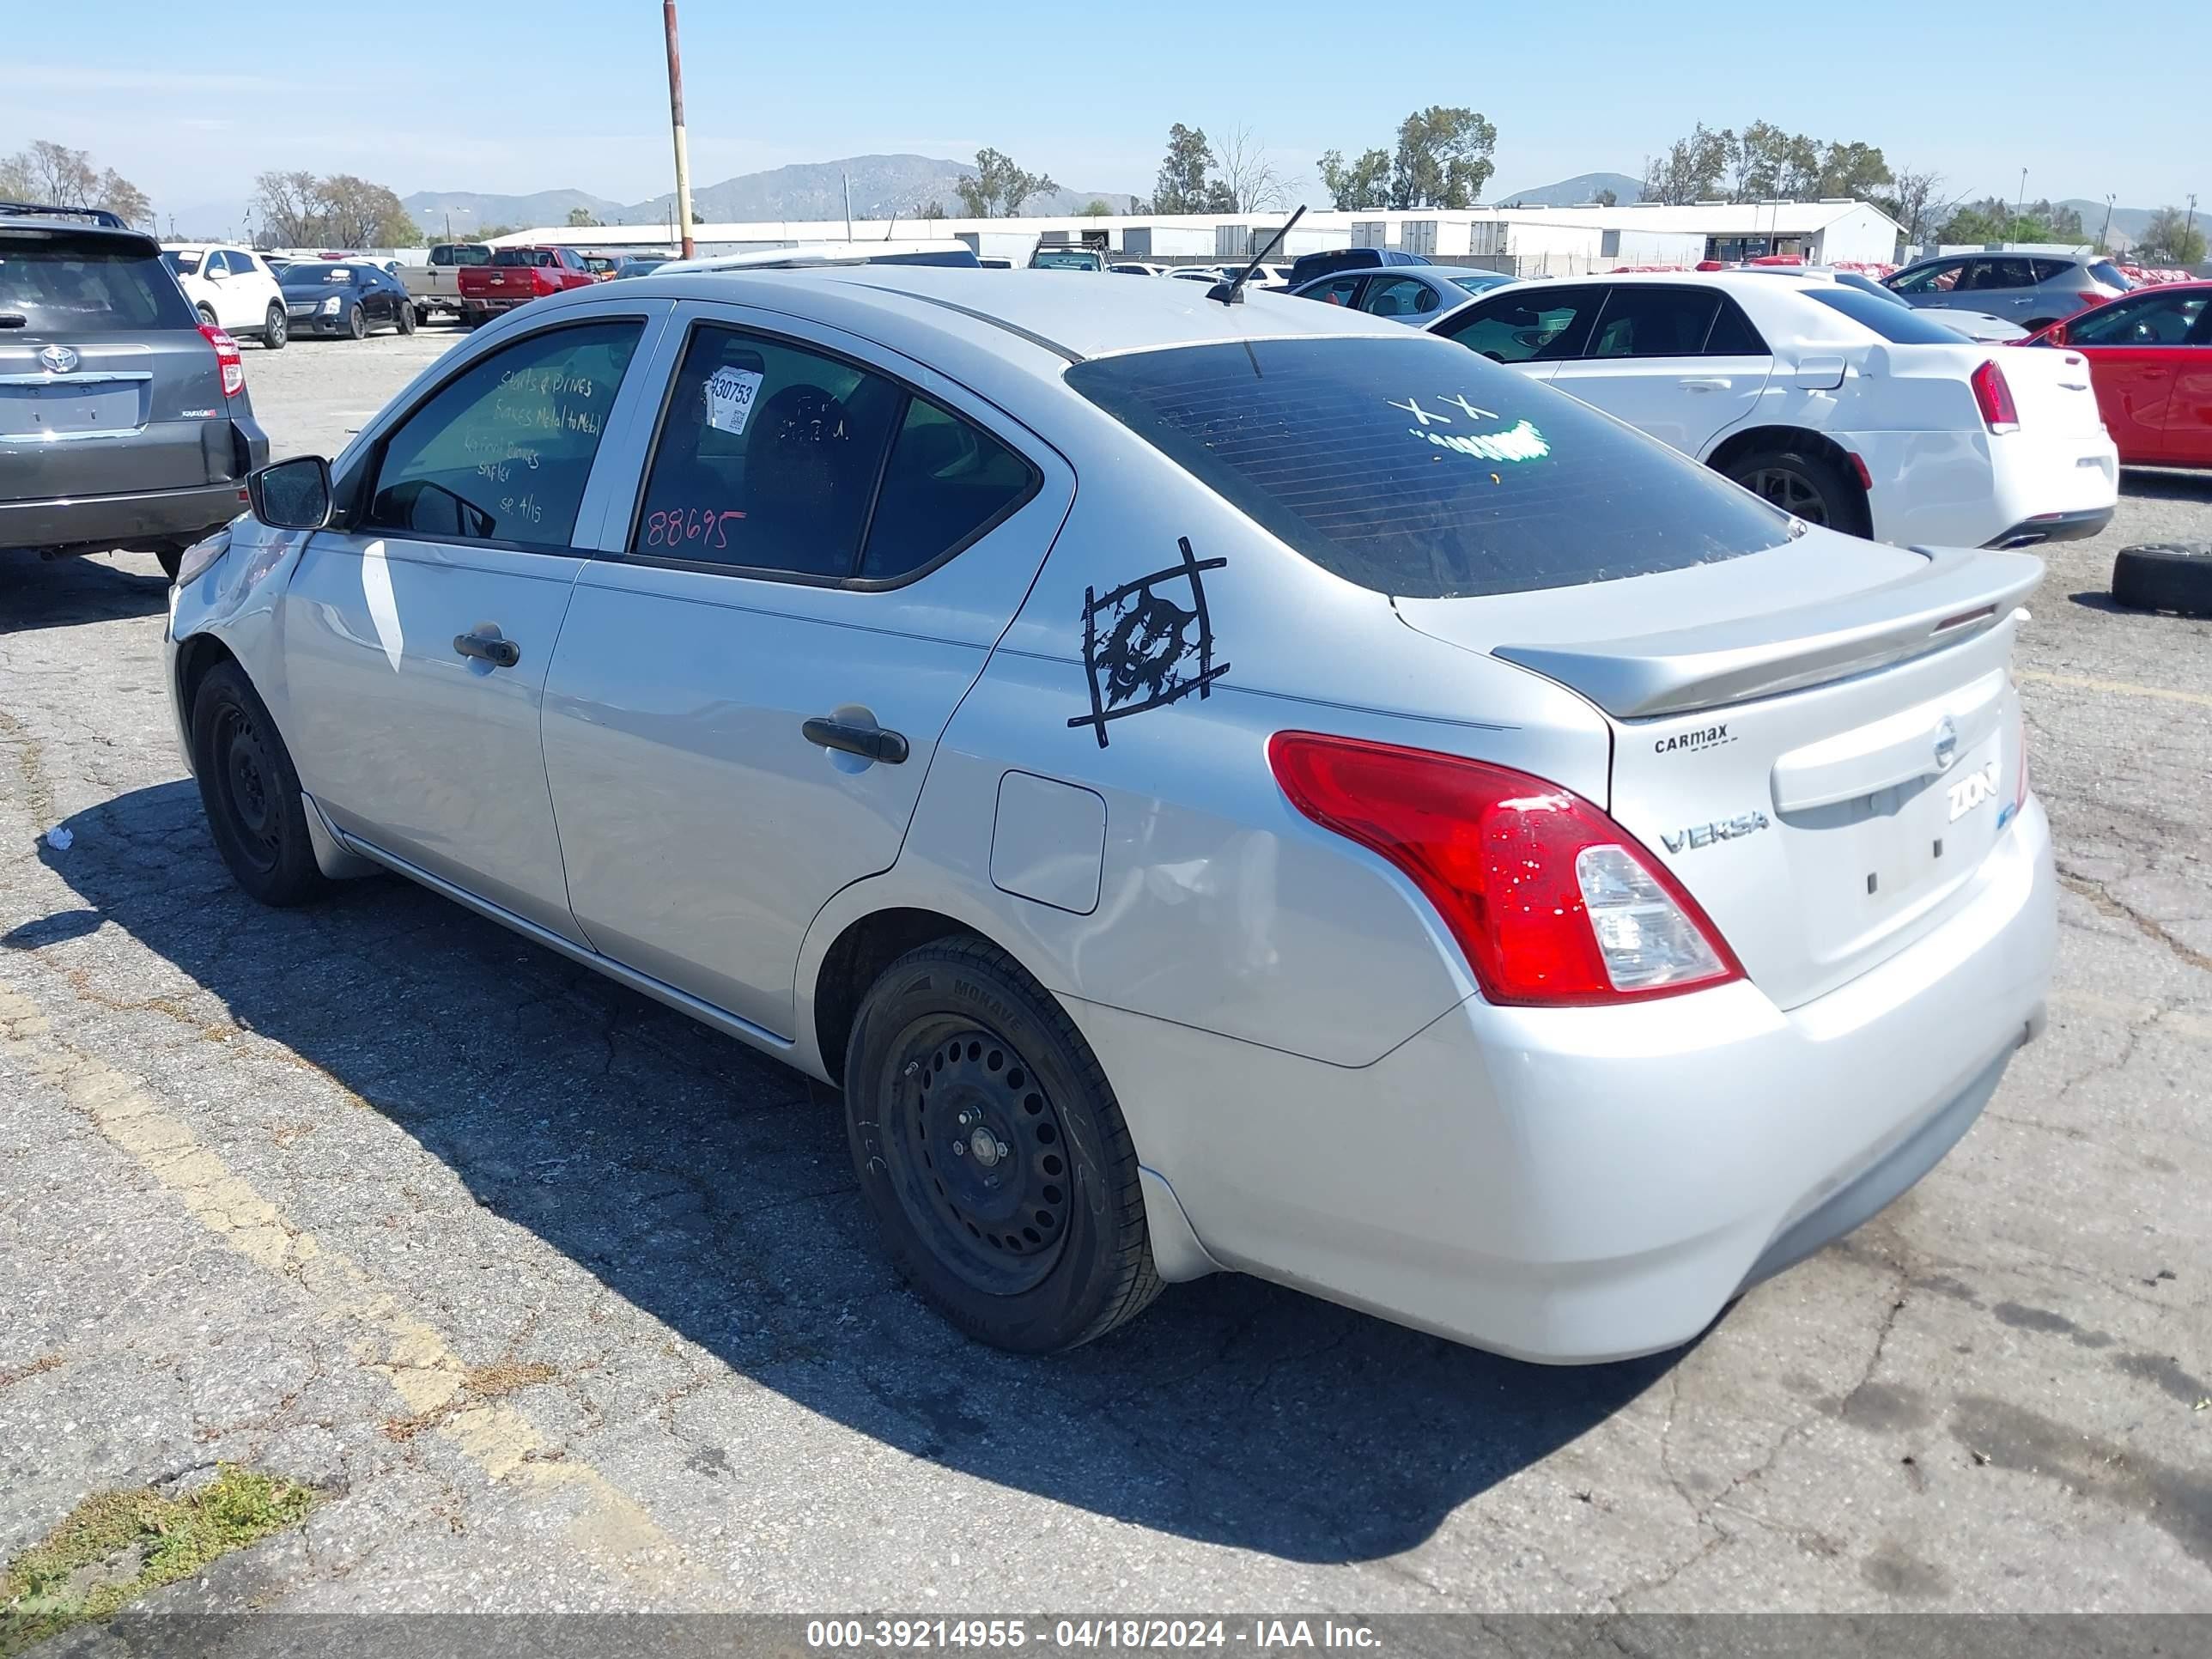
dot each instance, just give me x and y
(1217, 785)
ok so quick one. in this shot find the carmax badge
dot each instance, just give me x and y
(1704, 835)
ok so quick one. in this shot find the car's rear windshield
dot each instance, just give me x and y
(1899, 325)
(1413, 466)
(69, 285)
(314, 274)
(523, 255)
(2112, 276)
(1064, 261)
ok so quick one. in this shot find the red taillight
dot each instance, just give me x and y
(1550, 900)
(1994, 398)
(226, 356)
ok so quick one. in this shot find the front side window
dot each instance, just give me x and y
(1413, 468)
(1537, 325)
(503, 451)
(2153, 319)
(1337, 291)
(1937, 278)
(1643, 321)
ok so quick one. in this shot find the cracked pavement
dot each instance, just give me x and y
(567, 1303)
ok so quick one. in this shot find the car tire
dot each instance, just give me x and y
(1809, 485)
(2173, 576)
(406, 318)
(1031, 1237)
(421, 316)
(250, 792)
(276, 330)
(356, 322)
(206, 315)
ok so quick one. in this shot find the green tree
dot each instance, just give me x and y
(1855, 170)
(930, 210)
(490, 231)
(359, 213)
(58, 176)
(2170, 240)
(579, 218)
(1095, 209)
(1606, 199)
(999, 187)
(1183, 186)
(1692, 169)
(1443, 158)
(1364, 184)
(1916, 200)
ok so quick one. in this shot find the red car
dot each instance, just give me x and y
(2150, 359)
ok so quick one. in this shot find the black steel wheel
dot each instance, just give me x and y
(992, 1153)
(1810, 486)
(250, 792)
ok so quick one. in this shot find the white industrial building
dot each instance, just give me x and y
(1557, 241)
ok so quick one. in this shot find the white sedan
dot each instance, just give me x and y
(232, 288)
(1838, 407)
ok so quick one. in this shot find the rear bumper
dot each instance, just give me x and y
(99, 523)
(2054, 527)
(1580, 1185)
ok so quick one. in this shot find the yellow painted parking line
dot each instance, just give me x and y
(428, 1376)
(2115, 688)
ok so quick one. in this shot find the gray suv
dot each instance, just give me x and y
(124, 424)
(2032, 289)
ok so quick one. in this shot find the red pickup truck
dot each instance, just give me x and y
(517, 275)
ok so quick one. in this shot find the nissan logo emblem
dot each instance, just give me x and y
(1947, 744)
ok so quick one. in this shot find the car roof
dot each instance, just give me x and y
(1064, 313)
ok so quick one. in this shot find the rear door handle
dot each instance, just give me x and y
(1704, 386)
(869, 742)
(486, 646)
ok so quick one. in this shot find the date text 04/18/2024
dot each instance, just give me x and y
(1087, 1635)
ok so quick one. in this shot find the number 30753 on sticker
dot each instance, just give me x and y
(1973, 790)
(730, 394)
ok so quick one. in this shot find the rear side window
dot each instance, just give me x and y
(1413, 468)
(1899, 325)
(776, 460)
(2049, 270)
(80, 285)
(502, 452)
(1645, 321)
(2156, 320)
(1398, 296)
(1536, 325)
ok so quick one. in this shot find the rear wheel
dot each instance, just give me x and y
(1808, 485)
(357, 322)
(250, 792)
(992, 1153)
(276, 330)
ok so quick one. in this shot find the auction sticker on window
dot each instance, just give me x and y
(730, 394)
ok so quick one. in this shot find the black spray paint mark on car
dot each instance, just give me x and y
(1143, 650)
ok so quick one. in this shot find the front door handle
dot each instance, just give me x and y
(869, 742)
(486, 646)
(1704, 386)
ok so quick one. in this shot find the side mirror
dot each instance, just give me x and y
(293, 494)
(2056, 334)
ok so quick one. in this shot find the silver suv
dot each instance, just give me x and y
(125, 423)
(2033, 290)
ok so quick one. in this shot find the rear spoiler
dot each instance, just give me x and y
(1961, 593)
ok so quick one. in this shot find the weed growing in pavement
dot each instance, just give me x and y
(116, 1546)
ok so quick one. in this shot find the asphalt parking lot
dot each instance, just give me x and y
(561, 1301)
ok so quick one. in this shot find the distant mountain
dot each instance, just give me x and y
(471, 211)
(882, 185)
(2128, 223)
(1571, 192)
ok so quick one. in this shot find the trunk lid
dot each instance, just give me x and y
(1819, 743)
(2052, 388)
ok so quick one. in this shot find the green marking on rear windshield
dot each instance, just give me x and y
(1520, 442)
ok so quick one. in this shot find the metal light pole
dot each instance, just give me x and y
(676, 120)
(847, 179)
(2189, 228)
(2105, 236)
(2016, 206)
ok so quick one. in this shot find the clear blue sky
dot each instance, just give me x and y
(535, 94)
